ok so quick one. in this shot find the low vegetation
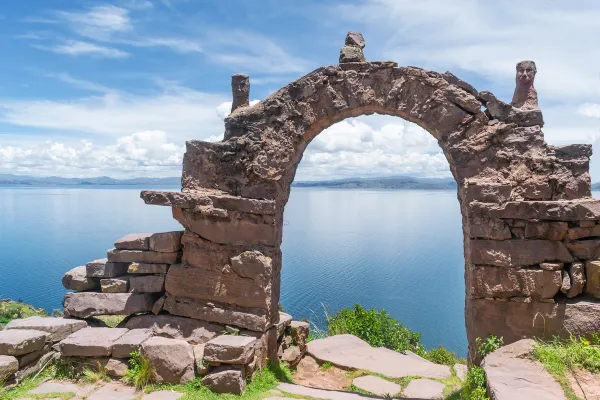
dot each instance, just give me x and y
(10, 310)
(140, 373)
(562, 358)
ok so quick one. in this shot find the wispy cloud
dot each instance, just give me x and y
(98, 23)
(78, 48)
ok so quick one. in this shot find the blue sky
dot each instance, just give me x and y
(115, 88)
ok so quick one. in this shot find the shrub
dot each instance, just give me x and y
(10, 310)
(375, 327)
(140, 373)
(441, 356)
(488, 345)
(474, 388)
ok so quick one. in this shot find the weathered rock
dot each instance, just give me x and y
(240, 90)
(292, 355)
(167, 242)
(592, 276)
(586, 231)
(565, 286)
(202, 367)
(170, 326)
(580, 210)
(487, 228)
(134, 241)
(546, 230)
(376, 385)
(76, 279)
(517, 253)
(513, 282)
(36, 366)
(424, 389)
(91, 342)
(158, 305)
(512, 375)
(147, 284)
(146, 268)
(552, 266)
(57, 328)
(230, 349)
(250, 318)
(29, 358)
(461, 371)
(8, 366)
(116, 368)
(115, 285)
(577, 275)
(102, 268)
(284, 321)
(350, 352)
(88, 304)
(225, 380)
(299, 331)
(173, 360)
(130, 341)
(16, 342)
(141, 256)
(583, 249)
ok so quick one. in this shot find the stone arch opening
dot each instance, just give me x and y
(529, 224)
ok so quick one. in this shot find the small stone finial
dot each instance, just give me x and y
(525, 96)
(353, 49)
(240, 88)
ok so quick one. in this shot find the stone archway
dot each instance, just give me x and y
(526, 207)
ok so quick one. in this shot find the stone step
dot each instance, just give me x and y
(129, 342)
(91, 342)
(18, 342)
(425, 389)
(58, 328)
(191, 330)
(377, 385)
(352, 353)
(323, 394)
(230, 349)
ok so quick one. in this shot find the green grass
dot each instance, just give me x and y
(140, 373)
(10, 310)
(111, 320)
(561, 357)
(325, 366)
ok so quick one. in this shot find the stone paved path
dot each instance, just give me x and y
(100, 391)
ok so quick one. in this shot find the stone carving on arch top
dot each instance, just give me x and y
(531, 231)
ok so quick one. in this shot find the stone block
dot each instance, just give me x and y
(173, 327)
(230, 349)
(76, 279)
(225, 380)
(172, 360)
(146, 268)
(512, 282)
(158, 305)
(36, 366)
(246, 278)
(584, 231)
(226, 314)
(57, 328)
(91, 342)
(592, 276)
(546, 230)
(351, 54)
(517, 253)
(102, 268)
(27, 359)
(299, 331)
(552, 266)
(488, 192)
(140, 256)
(115, 285)
(116, 368)
(292, 355)
(575, 210)
(147, 284)
(89, 304)
(166, 242)
(566, 283)
(9, 365)
(584, 249)
(202, 366)
(577, 275)
(284, 321)
(17, 342)
(130, 341)
(487, 228)
(134, 241)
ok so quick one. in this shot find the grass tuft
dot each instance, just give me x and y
(140, 372)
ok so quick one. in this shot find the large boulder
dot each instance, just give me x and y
(173, 327)
(57, 328)
(171, 359)
(91, 342)
(89, 304)
(17, 342)
(230, 349)
(76, 279)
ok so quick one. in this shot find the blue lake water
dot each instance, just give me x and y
(393, 249)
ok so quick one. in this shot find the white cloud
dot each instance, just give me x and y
(145, 153)
(77, 48)
(590, 110)
(99, 22)
(355, 148)
(183, 113)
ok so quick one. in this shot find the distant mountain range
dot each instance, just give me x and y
(9, 179)
(391, 182)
